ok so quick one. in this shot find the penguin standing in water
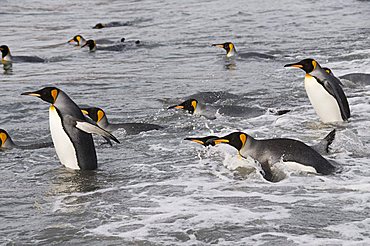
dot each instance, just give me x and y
(324, 91)
(6, 142)
(99, 116)
(270, 151)
(70, 131)
(231, 52)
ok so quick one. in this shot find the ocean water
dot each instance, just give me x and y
(155, 188)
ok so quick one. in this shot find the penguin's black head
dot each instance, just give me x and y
(91, 44)
(328, 70)
(189, 105)
(48, 94)
(228, 46)
(308, 65)
(4, 50)
(205, 141)
(98, 26)
(3, 137)
(235, 139)
(96, 114)
(76, 39)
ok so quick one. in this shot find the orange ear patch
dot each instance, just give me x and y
(54, 94)
(100, 115)
(243, 138)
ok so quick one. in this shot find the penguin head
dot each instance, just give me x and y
(205, 141)
(99, 26)
(307, 65)
(91, 44)
(78, 39)
(328, 70)
(48, 94)
(4, 50)
(5, 139)
(228, 46)
(190, 105)
(235, 139)
(96, 114)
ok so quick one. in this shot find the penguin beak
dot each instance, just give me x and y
(176, 106)
(34, 94)
(218, 141)
(296, 65)
(218, 45)
(70, 41)
(84, 45)
(195, 141)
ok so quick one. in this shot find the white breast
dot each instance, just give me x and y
(297, 167)
(62, 143)
(325, 105)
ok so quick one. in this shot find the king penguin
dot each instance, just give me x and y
(231, 52)
(70, 131)
(6, 142)
(98, 115)
(8, 58)
(78, 40)
(324, 91)
(270, 151)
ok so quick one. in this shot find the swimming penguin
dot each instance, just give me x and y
(99, 116)
(325, 93)
(270, 151)
(357, 78)
(231, 52)
(92, 46)
(6, 142)
(8, 58)
(78, 40)
(195, 108)
(70, 131)
(113, 24)
(322, 147)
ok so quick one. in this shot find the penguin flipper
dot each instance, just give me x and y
(335, 89)
(90, 128)
(323, 146)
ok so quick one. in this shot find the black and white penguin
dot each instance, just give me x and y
(98, 115)
(194, 107)
(270, 151)
(6, 57)
(324, 91)
(93, 47)
(231, 52)
(70, 131)
(6, 142)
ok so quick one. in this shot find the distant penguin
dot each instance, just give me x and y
(6, 142)
(231, 52)
(324, 91)
(270, 151)
(92, 46)
(8, 58)
(99, 116)
(208, 111)
(78, 40)
(70, 131)
(113, 24)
